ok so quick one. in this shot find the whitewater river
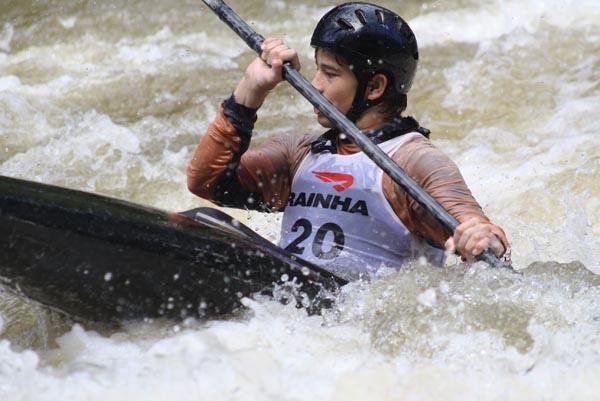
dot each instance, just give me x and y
(111, 97)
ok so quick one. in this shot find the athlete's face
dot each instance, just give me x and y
(335, 81)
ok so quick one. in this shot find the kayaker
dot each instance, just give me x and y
(340, 210)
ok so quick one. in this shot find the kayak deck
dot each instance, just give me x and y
(106, 260)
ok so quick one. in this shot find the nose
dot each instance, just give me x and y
(317, 82)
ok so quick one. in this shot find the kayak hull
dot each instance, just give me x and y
(101, 259)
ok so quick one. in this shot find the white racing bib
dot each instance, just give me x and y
(337, 216)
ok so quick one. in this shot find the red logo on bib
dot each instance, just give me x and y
(344, 180)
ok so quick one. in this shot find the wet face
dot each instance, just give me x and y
(335, 81)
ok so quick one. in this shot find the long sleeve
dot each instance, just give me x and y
(213, 157)
(440, 177)
(223, 171)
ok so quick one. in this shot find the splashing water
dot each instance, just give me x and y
(111, 97)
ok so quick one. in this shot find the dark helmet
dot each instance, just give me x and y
(372, 39)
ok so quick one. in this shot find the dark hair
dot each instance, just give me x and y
(394, 104)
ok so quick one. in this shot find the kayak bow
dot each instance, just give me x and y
(107, 260)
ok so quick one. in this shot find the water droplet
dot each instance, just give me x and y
(108, 276)
(428, 298)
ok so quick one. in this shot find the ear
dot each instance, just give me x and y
(377, 86)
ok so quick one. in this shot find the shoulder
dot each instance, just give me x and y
(418, 143)
(418, 147)
(299, 146)
(283, 152)
(289, 145)
(420, 158)
(295, 141)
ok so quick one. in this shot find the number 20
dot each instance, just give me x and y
(317, 246)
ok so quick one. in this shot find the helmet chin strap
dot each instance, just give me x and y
(360, 102)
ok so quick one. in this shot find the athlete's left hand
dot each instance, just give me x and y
(472, 237)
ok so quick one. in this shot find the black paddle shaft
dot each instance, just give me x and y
(379, 157)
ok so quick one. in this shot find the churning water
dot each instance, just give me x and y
(112, 96)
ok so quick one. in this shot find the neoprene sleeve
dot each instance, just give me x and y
(266, 174)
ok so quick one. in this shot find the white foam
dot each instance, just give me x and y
(494, 19)
(163, 47)
(9, 82)
(67, 22)
(91, 143)
(426, 334)
(6, 36)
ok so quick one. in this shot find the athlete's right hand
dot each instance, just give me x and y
(265, 72)
(472, 237)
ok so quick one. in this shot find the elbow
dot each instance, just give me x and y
(199, 186)
(195, 188)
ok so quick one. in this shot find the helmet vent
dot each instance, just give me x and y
(345, 24)
(370, 39)
(399, 23)
(361, 16)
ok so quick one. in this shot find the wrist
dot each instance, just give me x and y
(242, 117)
(249, 94)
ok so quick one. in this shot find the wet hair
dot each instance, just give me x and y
(394, 105)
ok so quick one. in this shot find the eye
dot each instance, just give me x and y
(326, 72)
(330, 74)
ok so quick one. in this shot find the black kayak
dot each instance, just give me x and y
(105, 260)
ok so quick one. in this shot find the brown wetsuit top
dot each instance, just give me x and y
(222, 171)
